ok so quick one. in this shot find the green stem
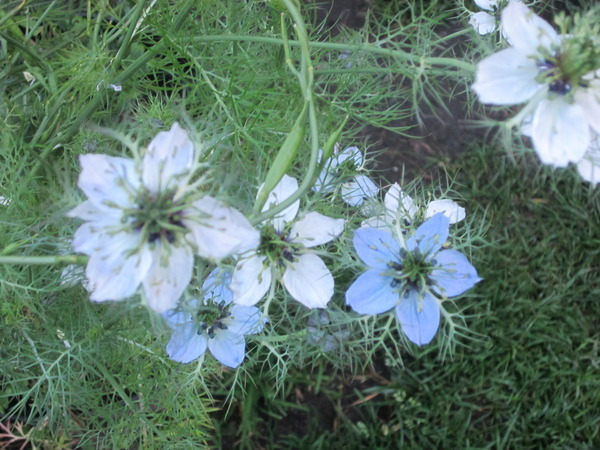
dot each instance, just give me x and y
(398, 54)
(44, 260)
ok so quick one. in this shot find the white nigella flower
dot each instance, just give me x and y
(554, 75)
(144, 222)
(4, 201)
(401, 208)
(355, 189)
(589, 166)
(483, 21)
(284, 251)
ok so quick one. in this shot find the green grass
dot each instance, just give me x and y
(524, 375)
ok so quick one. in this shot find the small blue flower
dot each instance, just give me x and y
(213, 323)
(410, 277)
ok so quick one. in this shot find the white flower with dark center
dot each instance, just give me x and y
(400, 209)
(554, 74)
(354, 189)
(485, 21)
(144, 222)
(285, 252)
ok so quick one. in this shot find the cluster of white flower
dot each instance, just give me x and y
(549, 73)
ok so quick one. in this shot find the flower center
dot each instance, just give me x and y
(157, 217)
(552, 74)
(276, 247)
(412, 271)
(210, 317)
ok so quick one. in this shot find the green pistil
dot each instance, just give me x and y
(276, 247)
(157, 216)
(210, 318)
(413, 271)
(564, 71)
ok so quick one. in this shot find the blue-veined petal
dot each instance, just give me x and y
(186, 344)
(453, 273)
(376, 248)
(372, 293)
(228, 348)
(430, 236)
(244, 320)
(419, 317)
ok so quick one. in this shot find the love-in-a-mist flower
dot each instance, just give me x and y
(214, 323)
(401, 209)
(144, 222)
(554, 74)
(285, 252)
(354, 190)
(412, 276)
(485, 22)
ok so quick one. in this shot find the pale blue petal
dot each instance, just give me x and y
(186, 344)
(430, 236)
(371, 293)
(176, 318)
(453, 273)
(228, 348)
(419, 319)
(356, 191)
(376, 248)
(244, 320)
(216, 287)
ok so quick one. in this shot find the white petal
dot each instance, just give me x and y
(326, 181)
(561, 133)
(356, 191)
(488, 5)
(89, 238)
(506, 78)
(169, 275)
(483, 22)
(284, 189)
(114, 273)
(526, 31)
(91, 211)
(103, 177)
(589, 99)
(169, 157)
(399, 204)
(526, 126)
(351, 153)
(589, 166)
(250, 280)
(225, 231)
(449, 208)
(309, 281)
(316, 229)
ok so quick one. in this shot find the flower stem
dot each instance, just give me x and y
(44, 260)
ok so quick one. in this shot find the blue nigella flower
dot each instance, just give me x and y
(214, 323)
(410, 277)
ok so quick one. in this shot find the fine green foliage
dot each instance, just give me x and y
(515, 362)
